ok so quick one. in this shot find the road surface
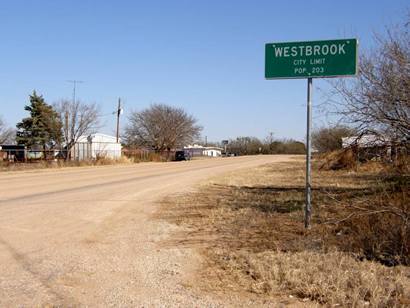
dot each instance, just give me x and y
(86, 236)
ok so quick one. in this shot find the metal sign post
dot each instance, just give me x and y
(308, 205)
(311, 59)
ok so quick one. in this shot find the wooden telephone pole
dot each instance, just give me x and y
(118, 119)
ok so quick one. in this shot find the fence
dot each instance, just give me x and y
(77, 153)
(95, 150)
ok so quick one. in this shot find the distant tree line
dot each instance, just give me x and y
(253, 146)
(324, 139)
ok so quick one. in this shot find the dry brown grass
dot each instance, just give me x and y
(332, 278)
(101, 161)
(248, 225)
(340, 159)
(150, 157)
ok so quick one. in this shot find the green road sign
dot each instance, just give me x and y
(333, 58)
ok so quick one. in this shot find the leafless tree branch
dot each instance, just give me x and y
(378, 100)
(78, 119)
(161, 127)
(7, 134)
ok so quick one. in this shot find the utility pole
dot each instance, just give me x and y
(67, 130)
(119, 110)
(66, 124)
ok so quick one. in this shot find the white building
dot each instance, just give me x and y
(212, 151)
(96, 146)
(199, 150)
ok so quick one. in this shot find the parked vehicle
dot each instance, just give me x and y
(182, 155)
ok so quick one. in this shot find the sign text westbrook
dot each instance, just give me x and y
(311, 59)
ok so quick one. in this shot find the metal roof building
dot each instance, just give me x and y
(96, 146)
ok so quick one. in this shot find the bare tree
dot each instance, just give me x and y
(7, 134)
(78, 119)
(327, 139)
(245, 146)
(161, 127)
(378, 100)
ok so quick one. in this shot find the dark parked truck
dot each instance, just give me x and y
(182, 155)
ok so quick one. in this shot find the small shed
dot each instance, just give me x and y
(96, 146)
(365, 141)
(370, 147)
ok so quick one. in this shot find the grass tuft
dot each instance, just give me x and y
(332, 278)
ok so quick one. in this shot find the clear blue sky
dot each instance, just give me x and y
(205, 56)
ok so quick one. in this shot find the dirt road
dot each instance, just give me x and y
(86, 237)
